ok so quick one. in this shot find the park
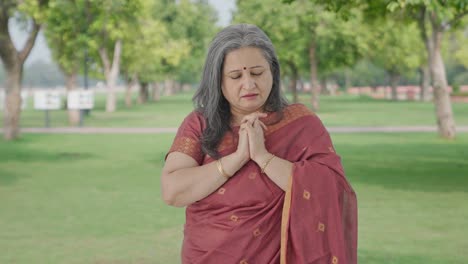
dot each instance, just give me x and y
(82, 184)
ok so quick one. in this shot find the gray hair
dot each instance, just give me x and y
(209, 99)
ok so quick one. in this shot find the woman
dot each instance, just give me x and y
(260, 178)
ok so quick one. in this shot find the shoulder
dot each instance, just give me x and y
(304, 118)
(194, 121)
(296, 116)
(294, 112)
(298, 110)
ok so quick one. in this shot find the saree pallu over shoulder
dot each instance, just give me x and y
(319, 222)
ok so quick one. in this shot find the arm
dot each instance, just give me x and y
(184, 182)
(278, 170)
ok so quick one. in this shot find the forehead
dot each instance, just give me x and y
(244, 57)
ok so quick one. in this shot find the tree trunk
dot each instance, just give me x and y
(156, 92)
(12, 109)
(347, 79)
(128, 95)
(313, 77)
(300, 83)
(13, 61)
(323, 86)
(168, 87)
(143, 95)
(111, 72)
(177, 87)
(425, 82)
(111, 99)
(283, 86)
(443, 105)
(186, 87)
(131, 83)
(70, 84)
(293, 83)
(293, 87)
(394, 81)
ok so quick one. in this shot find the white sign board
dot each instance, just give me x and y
(24, 99)
(80, 99)
(47, 100)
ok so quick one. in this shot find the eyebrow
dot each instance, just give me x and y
(253, 67)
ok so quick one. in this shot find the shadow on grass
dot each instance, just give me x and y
(413, 166)
(24, 154)
(10, 154)
(8, 177)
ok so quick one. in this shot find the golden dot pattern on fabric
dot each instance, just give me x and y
(306, 195)
(221, 190)
(257, 232)
(321, 227)
(334, 260)
(234, 218)
(252, 175)
(243, 262)
(331, 149)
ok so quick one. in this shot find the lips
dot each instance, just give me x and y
(249, 95)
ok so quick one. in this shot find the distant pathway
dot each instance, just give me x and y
(147, 130)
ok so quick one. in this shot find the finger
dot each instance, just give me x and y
(248, 119)
(255, 115)
(250, 122)
(260, 123)
(243, 127)
(263, 125)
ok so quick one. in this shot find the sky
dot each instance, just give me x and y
(42, 52)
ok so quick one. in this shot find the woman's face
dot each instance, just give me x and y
(247, 80)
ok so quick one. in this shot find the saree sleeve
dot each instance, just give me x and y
(187, 139)
(320, 209)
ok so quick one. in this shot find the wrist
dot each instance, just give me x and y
(240, 159)
(266, 162)
(262, 158)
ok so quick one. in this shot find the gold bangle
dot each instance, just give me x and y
(266, 163)
(220, 169)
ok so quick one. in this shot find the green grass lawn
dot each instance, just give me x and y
(335, 111)
(96, 199)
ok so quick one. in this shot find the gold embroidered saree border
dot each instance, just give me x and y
(285, 222)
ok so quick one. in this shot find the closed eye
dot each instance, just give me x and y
(256, 73)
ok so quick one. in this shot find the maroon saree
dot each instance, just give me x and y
(251, 220)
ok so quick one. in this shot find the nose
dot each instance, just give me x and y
(248, 82)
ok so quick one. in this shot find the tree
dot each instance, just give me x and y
(395, 47)
(33, 13)
(434, 17)
(192, 23)
(441, 15)
(109, 24)
(195, 21)
(65, 35)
